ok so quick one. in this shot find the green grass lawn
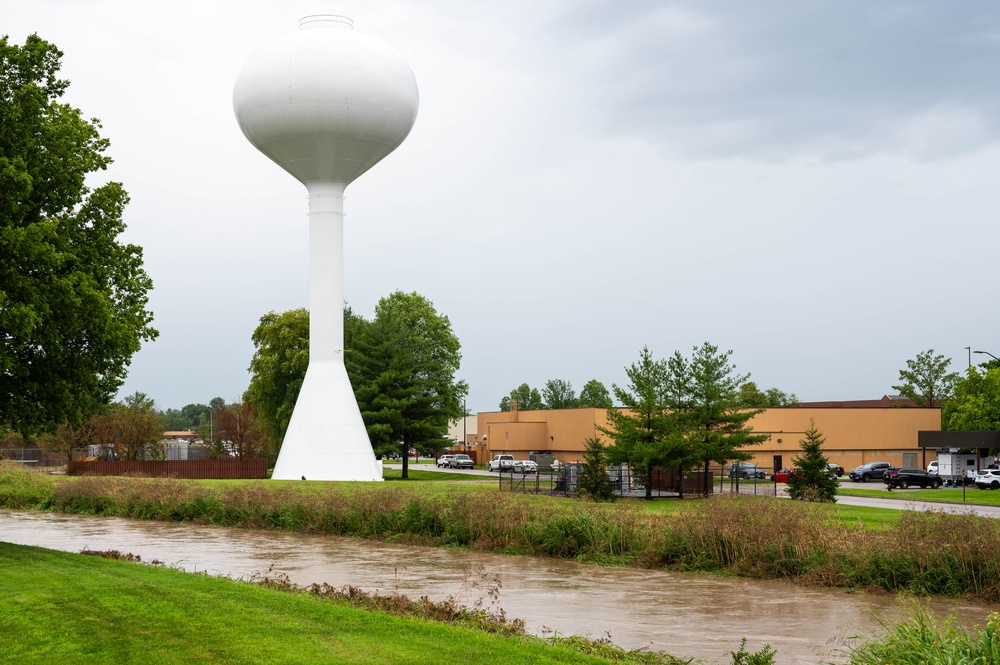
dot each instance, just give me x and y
(68, 608)
(972, 495)
(418, 474)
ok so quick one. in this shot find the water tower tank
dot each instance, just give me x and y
(326, 104)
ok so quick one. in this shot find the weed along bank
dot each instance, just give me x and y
(854, 434)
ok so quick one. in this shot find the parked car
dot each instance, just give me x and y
(443, 460)
(499, 462)
(782, 476)
(932, 467)
(905, 477)
(524, 466)
(836, 468)
(746, 470)
(988, 479)
(866, 472)
(460, 462)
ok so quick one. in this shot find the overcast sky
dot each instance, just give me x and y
(810, 184)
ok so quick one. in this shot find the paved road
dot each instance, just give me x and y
(900, 499)
(433, 467)
(910, 500)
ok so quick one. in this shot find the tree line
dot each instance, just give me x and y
(559, 394)
(133, 429)
(968, 403)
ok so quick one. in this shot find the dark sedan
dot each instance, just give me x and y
(905, 477)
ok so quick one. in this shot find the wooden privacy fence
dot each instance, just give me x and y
(224, 467)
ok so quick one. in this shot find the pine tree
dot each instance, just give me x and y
(595, 482)
(812, 481)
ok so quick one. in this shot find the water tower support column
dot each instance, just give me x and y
(326, 271)
(326, 438)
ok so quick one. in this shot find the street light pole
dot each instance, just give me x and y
(969, 349)
(989, 354)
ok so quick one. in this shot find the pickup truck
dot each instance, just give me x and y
(500, 463)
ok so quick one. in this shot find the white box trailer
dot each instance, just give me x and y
(961, 467)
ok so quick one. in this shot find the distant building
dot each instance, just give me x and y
(464, 430)
(855, 432)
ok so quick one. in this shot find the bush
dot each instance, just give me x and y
(594, 481)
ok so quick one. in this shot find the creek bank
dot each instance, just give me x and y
(731, 535)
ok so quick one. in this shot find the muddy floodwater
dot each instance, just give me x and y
(683, 614)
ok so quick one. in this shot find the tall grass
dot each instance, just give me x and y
(920, 641)
(21, 487)
(927, 553)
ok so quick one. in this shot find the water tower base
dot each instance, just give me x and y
(326, 438)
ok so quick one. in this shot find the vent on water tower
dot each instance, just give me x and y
(330, 20)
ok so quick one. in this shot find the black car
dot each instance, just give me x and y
(905, 477)
(746, 470)
(866, 472)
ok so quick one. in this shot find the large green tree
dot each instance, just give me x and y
(645, 433)
(976, 402)
(595, 395)
(278, 366)
(559, 394)
(175, 421)
(527, 398)
(749, 396)
(404, 376)
(701, 395)
(926, 379)
(72, 297)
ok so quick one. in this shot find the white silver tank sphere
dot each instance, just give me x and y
(326, 104)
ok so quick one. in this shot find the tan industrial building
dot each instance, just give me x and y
(854, 434)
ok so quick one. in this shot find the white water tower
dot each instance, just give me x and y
(326, 104)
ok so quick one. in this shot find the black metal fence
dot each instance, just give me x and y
(625, 482)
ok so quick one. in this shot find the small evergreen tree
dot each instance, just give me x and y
(594, 481)
(813, 480)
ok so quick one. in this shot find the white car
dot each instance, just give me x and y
(524, 466)
(932, 467)
(988, 479)
(443, 460)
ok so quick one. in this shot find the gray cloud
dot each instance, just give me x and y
(840, 80)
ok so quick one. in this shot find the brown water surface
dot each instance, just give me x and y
(683, 614)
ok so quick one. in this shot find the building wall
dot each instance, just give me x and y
(559, 431)
(466, 434)
(853, 435)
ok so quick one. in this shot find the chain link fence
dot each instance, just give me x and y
(661, 483)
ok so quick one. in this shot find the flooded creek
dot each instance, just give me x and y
(686, 615)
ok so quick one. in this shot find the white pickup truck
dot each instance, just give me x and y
(500, 462)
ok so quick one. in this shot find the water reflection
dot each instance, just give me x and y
(684, 614)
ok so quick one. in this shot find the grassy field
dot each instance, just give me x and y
(71, 609)
(818, 544)
(67, 608)
(972, 496)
